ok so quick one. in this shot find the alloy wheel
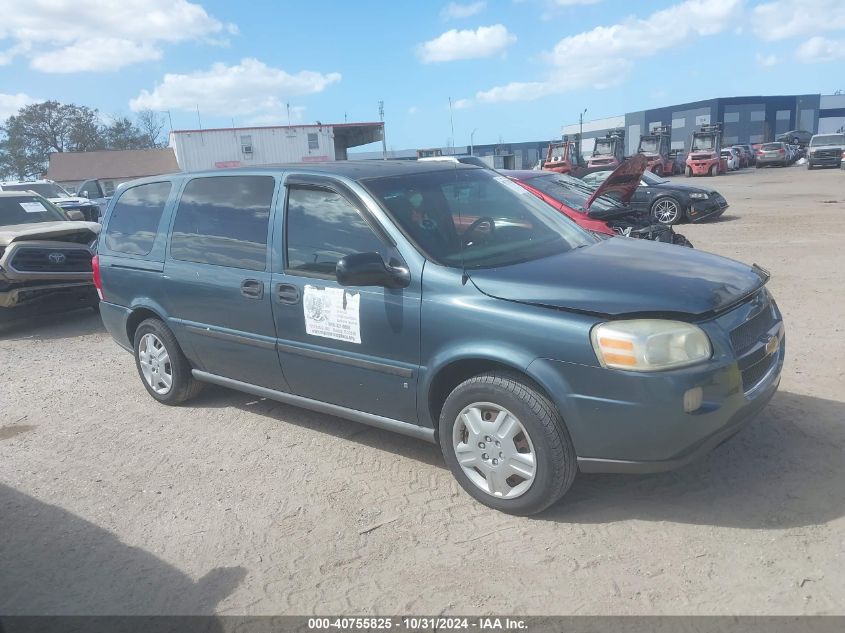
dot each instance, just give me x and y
(494, 450)
(155, 364)
(666, 211)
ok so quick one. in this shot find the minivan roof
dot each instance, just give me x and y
(352, 169)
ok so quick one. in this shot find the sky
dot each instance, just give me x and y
(515, 70)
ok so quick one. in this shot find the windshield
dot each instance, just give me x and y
(27, 210)
(772, 146)
(603, 147)
(475, 218)
(650, 179)
(703, 143)
(649, 146)
(46, 189)
(827, 139)
(572, 192)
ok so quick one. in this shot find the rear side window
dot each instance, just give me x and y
(322, 227)
(133, 225)
(223, 220)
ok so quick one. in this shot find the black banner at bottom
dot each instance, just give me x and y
(414, 624)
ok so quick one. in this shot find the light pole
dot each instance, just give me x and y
(471, 145)
(580, 131)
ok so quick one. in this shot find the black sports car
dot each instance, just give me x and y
(670, 202)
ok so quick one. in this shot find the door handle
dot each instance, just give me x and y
(252, 288)
(287, 293)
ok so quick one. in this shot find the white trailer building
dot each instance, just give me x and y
(220, 148)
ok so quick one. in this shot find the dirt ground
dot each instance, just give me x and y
(113, 504)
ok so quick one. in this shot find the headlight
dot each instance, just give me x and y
(649, 344)
(699, 196)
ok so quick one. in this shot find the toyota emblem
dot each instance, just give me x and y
(57, 258)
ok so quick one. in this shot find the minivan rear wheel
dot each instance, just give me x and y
(163, 368)
(506, 444)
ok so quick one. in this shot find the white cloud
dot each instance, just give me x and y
(462, 104)
(603, 56)
(766, 61)
(820, 49)
(10, 104)
(458, 11)
(62, 36)
(793, 18)
(484, 41)
(248, 88)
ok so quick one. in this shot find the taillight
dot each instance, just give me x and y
(98, 281)
(781, 151)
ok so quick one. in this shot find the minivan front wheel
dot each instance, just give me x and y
(506, 444)
(162, 366)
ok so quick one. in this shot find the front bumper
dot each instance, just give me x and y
(629, 422)
(701, 167)
(708, 209)
(825, 161)
(20, 301)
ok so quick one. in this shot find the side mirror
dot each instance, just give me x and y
(75, 215)
(369, 269)
(83, 194)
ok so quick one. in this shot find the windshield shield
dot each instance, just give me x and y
(827, 139)
(603, 147)
(572, 192)
(27, 210)
(474, 218)
(46, 189)
(704, 144)
(650, 179)
(649, 146)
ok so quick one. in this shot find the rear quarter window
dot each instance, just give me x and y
(134, 220)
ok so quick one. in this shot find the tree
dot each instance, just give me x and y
(123, 134)
(41, 128)
(151, 125)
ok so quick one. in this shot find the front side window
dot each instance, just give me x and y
(475, 218)
(223, 221)
(133, 224)
(322, 227)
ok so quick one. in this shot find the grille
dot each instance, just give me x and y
(744, 337)
(37, 260)
(752, 376)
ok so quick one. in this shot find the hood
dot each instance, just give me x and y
(623, 181)
(622, 276)
(79, 232)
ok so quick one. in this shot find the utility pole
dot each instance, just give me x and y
(383, 135)
(471, 144)
(452, 124)
(580, 131)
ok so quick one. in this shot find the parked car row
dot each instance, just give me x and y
(53, 192)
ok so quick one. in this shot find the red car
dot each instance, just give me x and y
(603, 210)
(574, 198)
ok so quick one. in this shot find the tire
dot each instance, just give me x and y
(540, 431)
(689, 172)
(176, 367)
(714, 169)
(809, 166)
(668, 209)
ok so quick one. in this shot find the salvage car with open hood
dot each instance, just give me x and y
(45, 258)
(444, 302)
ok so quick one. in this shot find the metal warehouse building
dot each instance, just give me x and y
(744, 119)
(253, 146)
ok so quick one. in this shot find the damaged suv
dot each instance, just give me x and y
(45, 257)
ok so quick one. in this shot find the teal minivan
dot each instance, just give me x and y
(444, 302)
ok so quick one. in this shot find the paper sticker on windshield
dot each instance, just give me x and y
(510, 184)
(32, 207)
(332, 313)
